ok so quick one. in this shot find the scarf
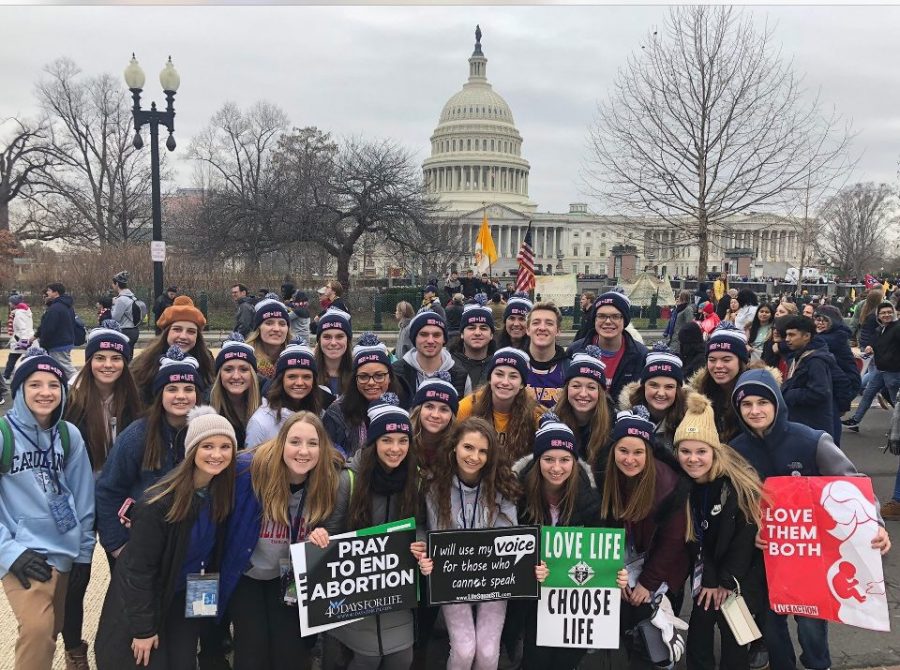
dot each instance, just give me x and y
(388, 483)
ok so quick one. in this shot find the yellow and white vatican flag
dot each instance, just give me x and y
(485, 251)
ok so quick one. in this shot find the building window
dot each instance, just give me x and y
(574, 249)
(454, 145)
(574, 269)
(587, 234)
(468, 145)
(587, 268)
(587, 250)
(492, 145)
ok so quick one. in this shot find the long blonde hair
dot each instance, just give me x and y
(220, 400)
(269, 476)
(728, 463)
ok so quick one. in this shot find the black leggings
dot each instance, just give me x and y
(266, 631)
(73, 619)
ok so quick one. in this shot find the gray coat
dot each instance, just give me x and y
(380, 634)
(684, 317)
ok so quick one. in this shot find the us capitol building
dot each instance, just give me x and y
(477, 163)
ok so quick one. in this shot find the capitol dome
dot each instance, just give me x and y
(476, 150)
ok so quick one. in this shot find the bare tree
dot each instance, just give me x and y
(241, 212)
(344, 192)
(430, 247)
(21, 159)
(705, 122)
(854, 223)
(96, 189)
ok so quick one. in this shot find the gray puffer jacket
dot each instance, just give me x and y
(380, 634)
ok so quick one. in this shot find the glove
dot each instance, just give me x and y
(670, 626)
(31, 564)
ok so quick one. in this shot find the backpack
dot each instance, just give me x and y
(8, 447)
(79, 332)
(138, 312)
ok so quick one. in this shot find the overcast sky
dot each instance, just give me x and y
(387, 71)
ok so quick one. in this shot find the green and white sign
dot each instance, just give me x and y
(579, 604)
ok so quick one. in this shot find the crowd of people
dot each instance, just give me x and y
(196, 470)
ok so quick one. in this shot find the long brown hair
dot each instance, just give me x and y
(154, 446)
(269, 476)
(873, 299)
(220, 400)
(255, 339)
(674, 414)
(537, 506)
(360, 515)
(179, 483)
(601, 421)
(345, 368)
(496, 475)
(84, 408)
(428, 445)
(519, 437)
(145, 365)
(640, 505)
(278, 399)
(726, 418)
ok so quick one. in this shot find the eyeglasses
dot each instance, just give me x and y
(378, 377)
(612, 318)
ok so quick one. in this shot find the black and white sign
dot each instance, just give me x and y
(483, 564)
(360, 576)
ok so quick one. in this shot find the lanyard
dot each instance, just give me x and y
(462, 504)
(45, 453)
(298, 519)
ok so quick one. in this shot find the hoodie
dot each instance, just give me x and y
(57, 329)
(411, 374)
(121, 308)
(787, 447)
(25, 518)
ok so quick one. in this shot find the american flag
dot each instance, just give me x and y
(525, 258)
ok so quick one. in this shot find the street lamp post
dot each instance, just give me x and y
(169, 79)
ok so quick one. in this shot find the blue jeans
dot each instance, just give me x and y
(877, 380)
(813, 637)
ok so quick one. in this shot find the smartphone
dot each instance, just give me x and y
(125, 509)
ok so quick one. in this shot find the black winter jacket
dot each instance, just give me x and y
(727, 545)
(887, 348)
(144, 582)
(57, 329)
(629, 368)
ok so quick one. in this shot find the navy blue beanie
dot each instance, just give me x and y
(634, 423)
(618, 300)
(296, 356)
(476, 313)
(108, 337)
(370, 349)
(661, 362)
(426, 317)
(727, 338)
(437, 389)
(269, 308)
(519, 304)
(235, 349)
(177, 368)
(512, 357)
(335, 319)
(36, 360)
(587, 364)
(553, 434)
(385, 417)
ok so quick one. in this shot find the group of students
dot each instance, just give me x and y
(301, 444)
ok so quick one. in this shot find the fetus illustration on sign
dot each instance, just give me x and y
(856, 578)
